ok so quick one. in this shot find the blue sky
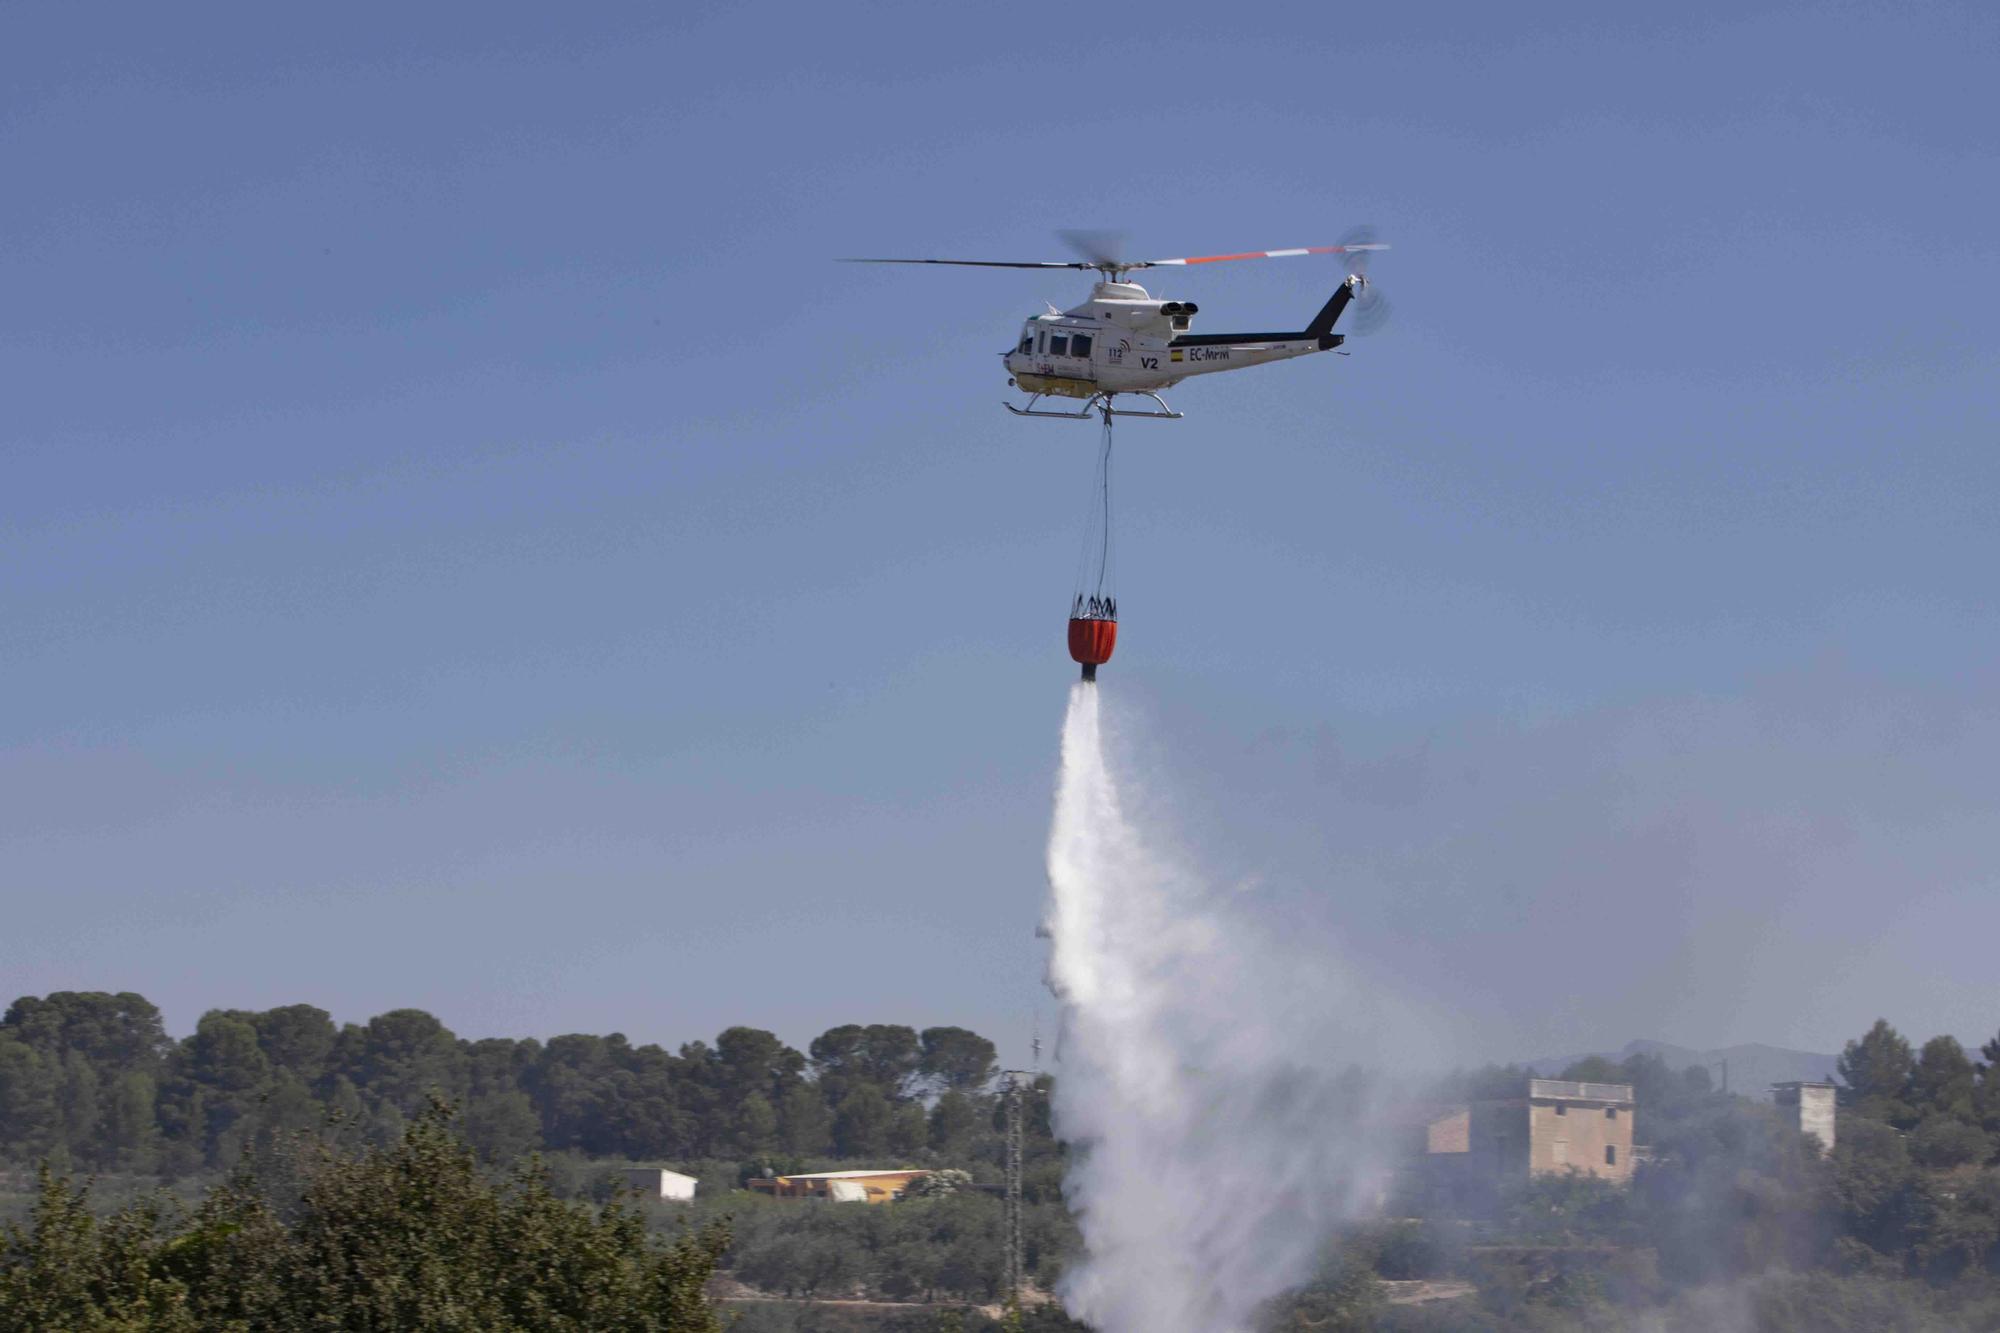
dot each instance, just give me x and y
(467, 546)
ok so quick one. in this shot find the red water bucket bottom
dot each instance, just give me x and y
(1091, 641)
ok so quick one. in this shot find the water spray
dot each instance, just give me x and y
(1215, 1144)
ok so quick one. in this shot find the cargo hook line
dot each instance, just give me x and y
(1104, 495)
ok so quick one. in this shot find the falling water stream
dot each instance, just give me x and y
(1215, 1145)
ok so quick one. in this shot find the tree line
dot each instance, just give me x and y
(92, 1080)
(1945, 1101)
(1899, 1225)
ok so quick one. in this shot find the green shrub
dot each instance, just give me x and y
(412, 1236)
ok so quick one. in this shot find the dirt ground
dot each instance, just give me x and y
(1422, 1292)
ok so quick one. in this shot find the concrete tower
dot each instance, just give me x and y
(1810, 1106)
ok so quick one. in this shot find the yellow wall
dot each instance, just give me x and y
(1449, 1133)
(882, 1186)
(1576, 1139)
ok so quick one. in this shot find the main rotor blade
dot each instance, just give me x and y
(1104, 249)
(1264, 254)
(1106, 264)
(975, 263)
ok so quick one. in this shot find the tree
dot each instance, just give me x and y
(1735, 1190)
(906, 1270)
(1944, 1141)
(30, 1113)
(121, 1031)
(400, 1058)
(223, 1073)
(67, 1270)
(882, 1054)
(1878, 1069)
(498, 1064)
(1595, 1069)
(91, 1043)
(751, 1060)
(739, 1085)
(80, 1106)
(909, 1128)
(756, 1129)
(131, 1137)
(652, 1118)
(571, 1086)
(1987, 1099)
(805, 1124)
(413, 1236)
(296, 1037)
(1944, 1081)
(956, 1060)
(861, 1123)
(953, 1121)
(1964, 1231)
(1881, 1197)
(502, 1126)
(287, 1108)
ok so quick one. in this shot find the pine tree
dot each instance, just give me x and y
(1878, 1069)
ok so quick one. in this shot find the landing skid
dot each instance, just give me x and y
(1097, 404)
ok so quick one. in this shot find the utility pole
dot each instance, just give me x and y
(1013, 1093)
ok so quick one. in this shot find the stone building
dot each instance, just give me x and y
(1469, 1150)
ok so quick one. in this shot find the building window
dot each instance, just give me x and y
(1561, 1109)
(1611, 1154)
(1610, 1113)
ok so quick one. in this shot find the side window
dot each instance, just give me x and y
(1027, 343)
(1042, 340)
(1059, 345)
(1079, 345)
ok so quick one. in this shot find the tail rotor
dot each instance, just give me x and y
(1370, 309)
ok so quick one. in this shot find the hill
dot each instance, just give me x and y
(1752, 1067)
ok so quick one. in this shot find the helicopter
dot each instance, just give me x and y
(1123, 340)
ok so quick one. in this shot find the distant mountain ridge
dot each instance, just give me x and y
(1753, 1067)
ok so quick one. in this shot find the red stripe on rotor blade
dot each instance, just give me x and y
(1216, 259)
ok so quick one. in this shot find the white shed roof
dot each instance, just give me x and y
(855, 1175)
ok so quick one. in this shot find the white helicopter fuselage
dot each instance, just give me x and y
(1123, 340)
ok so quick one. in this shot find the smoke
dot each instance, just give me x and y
(1220, 1126)
(1493, 889)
